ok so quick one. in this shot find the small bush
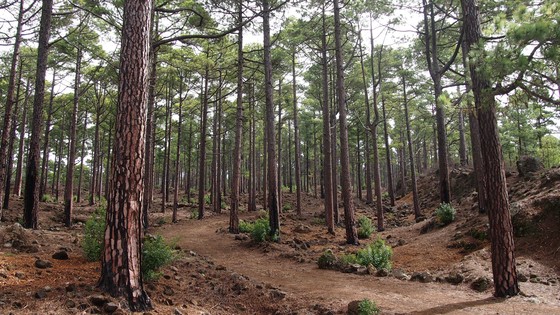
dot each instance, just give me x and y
(348, 259)
(367, 307)
(327, 260)
(207, 199)
(245, 227)
(377, 254)
(261, 229)
(194, 214)
(47, 198)
(287, 206)
(365, 227)
(156, 254)
(445, 213)
(94, 231)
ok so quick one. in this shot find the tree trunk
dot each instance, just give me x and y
(82, 156)
(19, 168)
(462, 140)
(415, 199)
(501, 229)
(234, 208)
(69, 185)
(388, 152)
(178, 153)
(279, 145)
(273, 205)
(121, 262)
(45, 161)
(10, 153)
(351, 233)
(31, 199)
(10, 101)
(297, 148)
(327, 157)
(202, 148)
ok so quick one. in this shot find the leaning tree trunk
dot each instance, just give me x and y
(501, 229)
(121, 259)
(69, 185)
(10, 101)
(273, 206)
(351, 233)
(31, 196)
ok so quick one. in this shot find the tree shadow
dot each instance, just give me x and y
(448, 308)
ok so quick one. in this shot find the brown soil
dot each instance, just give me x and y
(219, 273)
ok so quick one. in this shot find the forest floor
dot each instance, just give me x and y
(220, 273)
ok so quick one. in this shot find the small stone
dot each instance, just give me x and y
(60, 255)
(174, 269)
(192, 253)
(70, 287)
(19, 275)
(168, 291)
(522, 277)
(47, 289)
(400, 274)
(302, 229)
(241, 237)
(43, 264)
(455, 278)
(41, 294)
(110, 307)
(277, 294)
(423, 277)
(382, 272)
(7, 245)
(176, 311)
(371, 269)
(220, 267)
(98, 300)
(70, 304)
(481, 284)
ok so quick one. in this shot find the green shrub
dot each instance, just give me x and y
(194, 214)
(156, 254)
(261, 229)
(287, 206)
(445, 213)
(377, 254)
(207, 199)
(367, 307)
(348, 259)
(47, 198)
(365, 227)
(94, 231)
(245, 227)
(327, 260)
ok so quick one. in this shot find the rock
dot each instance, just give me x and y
(60, 255)
(371, 269)
(277, 294)
(423, 277)
(43, 264)
(480, 284)
(19, 275)
(522, 277)
(174, 269)
(400, 274)
(241, 237)
(70, 287)
(302, 229)
(110, 307)
(41, 294)
(8, 245)
(455, 278)
(98, 300)
(354, 308)
(47, 289)
(382, 272)
(220, 268)
(70, 304)
(168, 291)
(176, 311)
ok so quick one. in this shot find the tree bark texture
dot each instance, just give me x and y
(121, 259)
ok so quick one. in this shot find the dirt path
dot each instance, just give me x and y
(306, 281)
